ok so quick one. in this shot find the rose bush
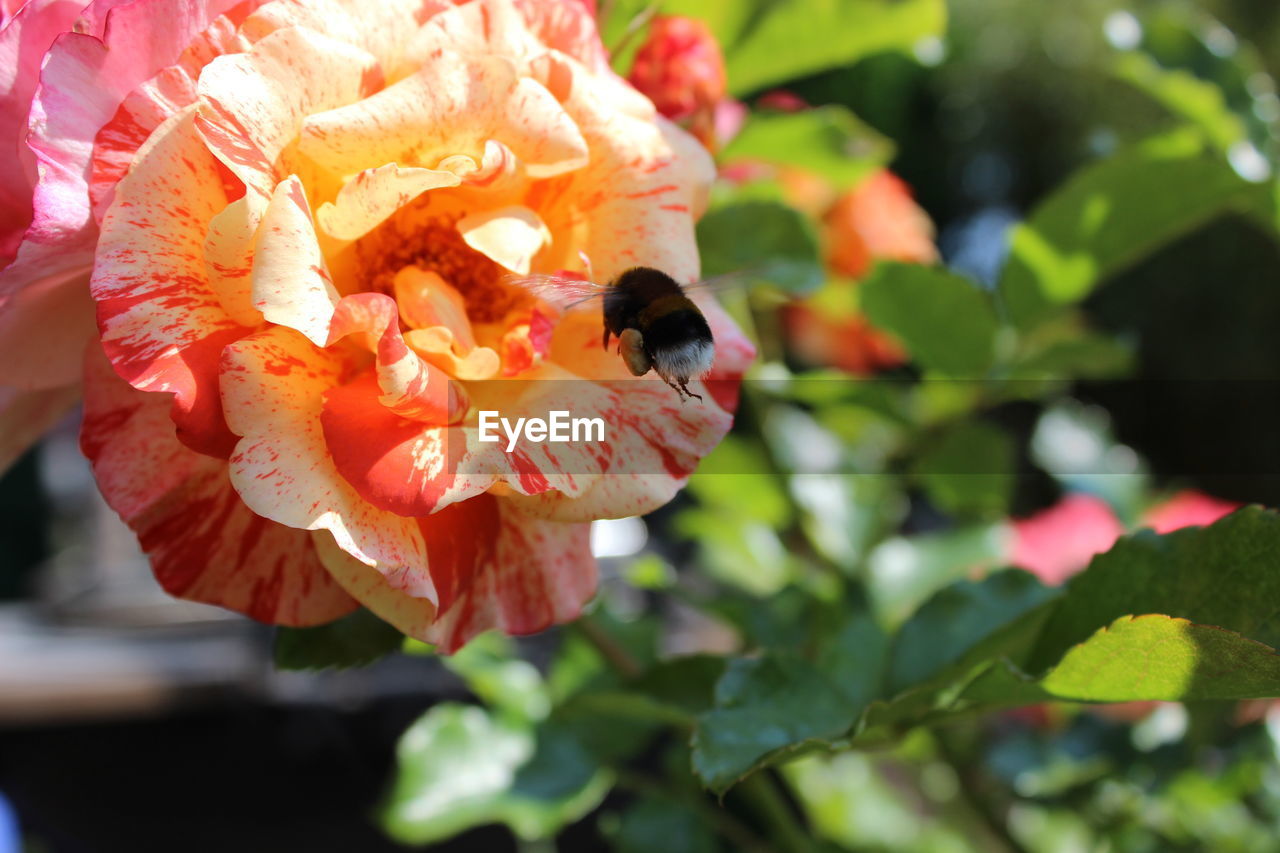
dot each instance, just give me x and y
(292, 220)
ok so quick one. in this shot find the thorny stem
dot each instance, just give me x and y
(785, 831)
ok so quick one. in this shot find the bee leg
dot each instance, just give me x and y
(685, 388)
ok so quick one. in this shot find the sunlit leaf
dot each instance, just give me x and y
(1113, 213)
(459, 768)
(1227, 574)
(1159, 657)
(784, 40)
(1185, 95)
(946, 322)
(828, 141)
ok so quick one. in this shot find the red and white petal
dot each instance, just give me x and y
(365, 201)
(273, 387)
(496, 567)
(381, 28)
(205, 544)
(172, 88)
(228, 256)
(291, 284)
(396, 464)
(448, 108)
(635, 203)
(411, 388)
(411, 614)
(253, 104)
(26, 415)
(162, 326)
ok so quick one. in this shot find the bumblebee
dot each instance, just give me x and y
(657, 325)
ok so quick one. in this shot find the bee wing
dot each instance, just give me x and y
(563, 291)
(720, 283)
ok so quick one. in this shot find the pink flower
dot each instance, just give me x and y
(297, 215)
(1187, 508)
(681, 69)
(1056, 543)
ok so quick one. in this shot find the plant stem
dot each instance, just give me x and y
(610, 649)
(784, 830)
(973, 791)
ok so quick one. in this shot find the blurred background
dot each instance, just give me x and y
(131, 721)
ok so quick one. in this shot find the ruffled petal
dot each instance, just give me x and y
(509, 236)
(204, 543)
(291, 283)
(495, 567)
(253, 104)
(635, 203)
(23, 42)
(273, 389)
(162, 325)
(411, 388)
(448, 108)
(366, 200)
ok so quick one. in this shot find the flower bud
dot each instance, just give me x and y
(680, 68)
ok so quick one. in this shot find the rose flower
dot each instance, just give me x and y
(295, 218)
(876, 220)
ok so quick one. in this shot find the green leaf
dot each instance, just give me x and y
(1160, 657)
(770, 707)
(969, 470)
(789, 39)
(459, 769)
(1227, 574)
(357, 639)
(829, 141)
(765, 707)
(765, 240)
(1110, 215)
(654, 824)
(957, 620)
(946, 322)
(1186, 96)
(502, 681)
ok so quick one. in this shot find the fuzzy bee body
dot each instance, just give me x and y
(657, 325)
